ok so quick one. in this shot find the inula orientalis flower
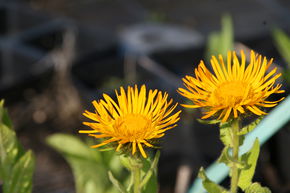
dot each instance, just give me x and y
(135, 119)
(234, 88)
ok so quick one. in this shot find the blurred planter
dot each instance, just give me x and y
(96, 60)
(20, 70)
(15, 19)
(98, 65)
(20, 67)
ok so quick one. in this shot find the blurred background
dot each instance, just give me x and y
(56, 56)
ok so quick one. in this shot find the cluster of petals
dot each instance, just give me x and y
(135, 119)
(233, 88)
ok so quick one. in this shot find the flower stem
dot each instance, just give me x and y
(136, 173)
(234, 168)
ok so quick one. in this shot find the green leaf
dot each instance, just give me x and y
(226, 134)
(282, 42)
(250, 127)
(8, 150)
(149, 182)
(210, 122)
(221, 42)
(116, 183)
(91, 186)
(71, 145)
(86, 163)
(257, 188)
(209, 185)
(227, 38)
(4, 115)
(89, 166)
(227, 159)
(250, 158)
(20, 180)
(16, 166)
(286, 75)
(126, 161)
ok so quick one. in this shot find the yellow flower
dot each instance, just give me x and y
(135, 120)
(234, 88)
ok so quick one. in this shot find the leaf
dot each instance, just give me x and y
(210, 122)
(91, 186)
(221, 42)
(8, 150)
(116, 183)
(125, 160)
(71, 145)
(209, 185)
(4, 115)
(16, 166)
(226, 36)
(282, 42)
(257, 188)
(227, 159)
(89, 166)
(20, 180)
(149, 182)
(226, 134)
(250, 158)
(250, 127)
(84, 161)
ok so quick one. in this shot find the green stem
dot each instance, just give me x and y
(234, 168)
(136, 172)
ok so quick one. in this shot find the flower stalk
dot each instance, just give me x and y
(234, 169)
(136, 175)
(234, 88)
(136, 165)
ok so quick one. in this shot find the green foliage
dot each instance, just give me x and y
(116, 183)
(226, 135)
(242, 168)
(210, 122)
(221, 42)
(282, 42)
(149, 181)
(227, 159)
(16, 166)
(257, 188)
(90, 166)
(209, 185)
(250, 158)
(247, 129)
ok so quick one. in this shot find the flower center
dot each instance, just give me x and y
(132, 125)
(230, 93)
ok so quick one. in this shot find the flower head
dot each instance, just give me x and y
(135, 119)
(234, 88)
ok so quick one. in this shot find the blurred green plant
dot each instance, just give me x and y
(95, 170)
(282, 42)
(90, 167)
(223, 41)
(16, 165)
